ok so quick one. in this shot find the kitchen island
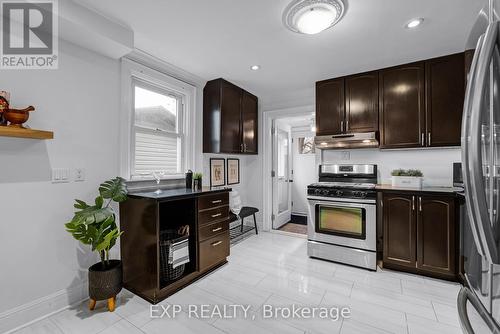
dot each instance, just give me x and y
(145, 216)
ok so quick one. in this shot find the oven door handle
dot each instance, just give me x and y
(343, 204)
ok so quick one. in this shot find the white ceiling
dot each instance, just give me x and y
(223, 38)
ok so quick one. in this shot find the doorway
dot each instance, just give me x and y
(293, 168)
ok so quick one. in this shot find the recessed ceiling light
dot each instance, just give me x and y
(312, 17)
(255, 67)
(414, 23)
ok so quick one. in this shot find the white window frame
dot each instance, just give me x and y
(133, 73)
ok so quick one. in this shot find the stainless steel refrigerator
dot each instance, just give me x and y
(479, 300)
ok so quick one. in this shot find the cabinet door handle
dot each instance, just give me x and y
(215, 244)
(429, 139)
(347, 125)
(422, 139)
(420, 204)
(217, 229)
(217, 201)
(413, 203)
(217, 215)
(341, 126)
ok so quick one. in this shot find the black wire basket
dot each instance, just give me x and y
(167, 271)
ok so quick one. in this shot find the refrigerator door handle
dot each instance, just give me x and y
(465, 146)
(476, 182)
(464, 296)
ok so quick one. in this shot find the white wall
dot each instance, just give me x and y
(250, 186)
(436, 164)
(80, 103)
(304, 173)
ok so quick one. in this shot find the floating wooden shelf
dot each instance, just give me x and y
(9, 131)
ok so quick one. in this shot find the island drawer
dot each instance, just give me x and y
(212, 201)
(213, 215)
(208, 231)
(214, 250)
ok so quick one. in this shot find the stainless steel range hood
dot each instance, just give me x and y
(347, 140)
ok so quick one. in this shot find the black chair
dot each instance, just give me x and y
(246, 211)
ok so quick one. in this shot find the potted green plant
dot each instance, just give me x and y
(197, 177)
(411, 178)
(95, 225)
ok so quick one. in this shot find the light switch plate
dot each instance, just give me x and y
(60, 175)
(79, 174)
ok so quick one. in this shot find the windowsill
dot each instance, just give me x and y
(150, 178)
(170, 182)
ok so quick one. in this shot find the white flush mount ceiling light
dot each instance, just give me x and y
(255, 67)
(414, 23)
(312, 16)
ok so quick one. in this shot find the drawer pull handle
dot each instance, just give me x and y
(217, 229)
(217, 201)
(216, 243)
(217, 215)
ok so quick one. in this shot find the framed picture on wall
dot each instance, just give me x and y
(217, 172)
(233, 171)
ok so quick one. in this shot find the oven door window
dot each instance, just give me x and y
(341, 220)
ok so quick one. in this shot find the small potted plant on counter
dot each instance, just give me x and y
(411, 178)
(197, 177)
(95, 225)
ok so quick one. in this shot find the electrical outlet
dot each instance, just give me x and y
(79, 175)
(60, 175)
(345, 155)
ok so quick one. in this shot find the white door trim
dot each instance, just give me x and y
(268, 118)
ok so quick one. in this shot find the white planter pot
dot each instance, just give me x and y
(407, 182)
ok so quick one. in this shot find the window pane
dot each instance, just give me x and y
(154, 110)
(156, 152)
(341, 219)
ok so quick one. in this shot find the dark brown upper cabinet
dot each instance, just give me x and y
(445, 92)
(330, 107)
(361, 102)
(399, 224)
(249, 122)
(412, 105)
(230, 119)
(402, 106)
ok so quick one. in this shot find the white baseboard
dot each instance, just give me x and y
(38, 309)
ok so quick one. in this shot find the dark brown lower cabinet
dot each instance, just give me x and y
(399, 230)
(436, 236)
(420, 234)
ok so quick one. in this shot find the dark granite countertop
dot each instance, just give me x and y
(436, 190)
(177, 193)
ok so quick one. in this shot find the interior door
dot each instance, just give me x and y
(282, 175)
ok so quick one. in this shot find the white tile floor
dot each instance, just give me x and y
(274, 269)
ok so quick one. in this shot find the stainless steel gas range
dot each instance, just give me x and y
(343, 215)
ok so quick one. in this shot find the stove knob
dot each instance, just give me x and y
(325, 192)
(339, 193)
(317, 191)
(362, 194)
